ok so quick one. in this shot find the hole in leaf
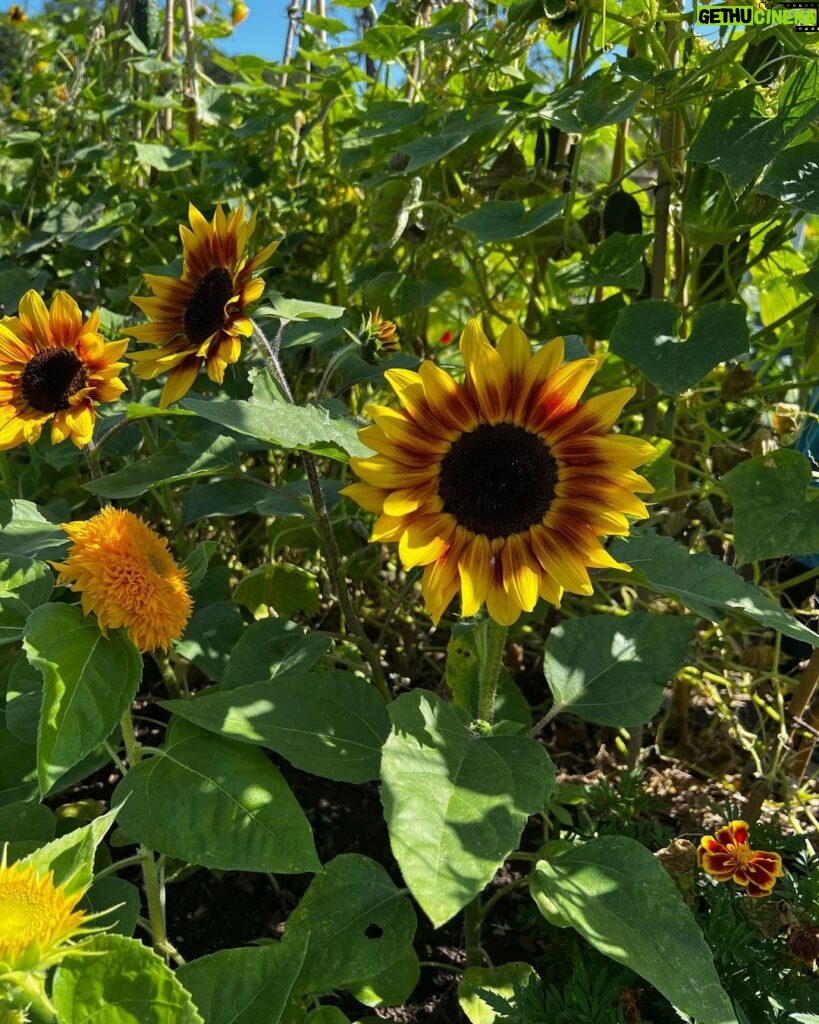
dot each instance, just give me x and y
(373, 931)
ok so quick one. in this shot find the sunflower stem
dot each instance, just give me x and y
(472, 933)
(338, 581)
(494, 644)
(150, 873)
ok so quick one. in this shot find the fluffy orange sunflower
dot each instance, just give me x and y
(727, 855)
(54, 367)
(199, 318)
(127, 577)
(501, 486)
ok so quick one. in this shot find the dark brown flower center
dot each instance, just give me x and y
(205, 312)
(498, 480)
(51, 377)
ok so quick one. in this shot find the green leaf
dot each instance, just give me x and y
(357, 920)
(599, 99)
(617, 262)
(25, 584)
(25, 531)
(130, 982)
(619, 898)
(702, 583)
(496, 979)
(318, 428)
(611, 670)
(26, 822)
(462, 678)
(71, 857)
(210, 637)
(393, 986)
(739, 139)
(109, 892)
(327, 1015)
(178, 460)
(18, 769)
(214, 802)
(500, 220)
(332, 724)
(645, 335)
(775, 508)
(793, 177)
(284, 587)
(24, 699)
(161, 158)
(245, 986)
(294, 310)
(90, 681)
(455, 802)
(273, 647)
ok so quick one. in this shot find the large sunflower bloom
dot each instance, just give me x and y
(503, 485)
(199, 319)
(127, 577)
(54, 367)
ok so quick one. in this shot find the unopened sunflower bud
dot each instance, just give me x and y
(379, 337)
(238, 13)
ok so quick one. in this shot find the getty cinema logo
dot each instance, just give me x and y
(803, 15)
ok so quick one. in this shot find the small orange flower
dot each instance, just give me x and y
(17, 15)
(727, 855)
(127, 577)
(238, 12)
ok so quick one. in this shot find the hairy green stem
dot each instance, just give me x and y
(494, 640)
(472, 930)
(325, 527)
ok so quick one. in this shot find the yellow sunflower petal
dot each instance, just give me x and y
(475, 569)
(179, 382)
(66, 319)
(514, 349)
(486, 376)
(368, 497)
(424, 540)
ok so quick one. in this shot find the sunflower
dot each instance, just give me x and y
(200, 317)
(54, 367)
(17, 15)
(38, 919)
(501, 486)
(127, 577)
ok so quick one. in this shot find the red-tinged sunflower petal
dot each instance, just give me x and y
(440, 582)
(424, 540)
(515, 350)
(409, 389)
(537, 371)
(179, 381)
(559, 395)
(13, 350)
(388, 528)
(403, 430)
(152, 334)
(563, 565)
(252, 291)
(595, 416)
(521, 571)
(12, 433)
(157, 309)
(406, 455)
(368, 497)
(449, 403)
(66, 319)
(502, 607)
(170, 289)
(616, 451)
(411, 499)
(487, 379)
(383, 472)
(475, 570)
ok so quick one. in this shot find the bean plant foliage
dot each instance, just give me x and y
(360, 756)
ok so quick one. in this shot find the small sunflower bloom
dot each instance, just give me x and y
(727, 855)
(53, 368)
(200, 318)
(127, 577)
(16, 15)
(238, 12)
(502, 486)
(39, 921)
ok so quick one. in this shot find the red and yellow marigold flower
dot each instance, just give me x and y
(54, 367)
(501, 486)
(127, 577)
(727, 856)
(199, 319)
